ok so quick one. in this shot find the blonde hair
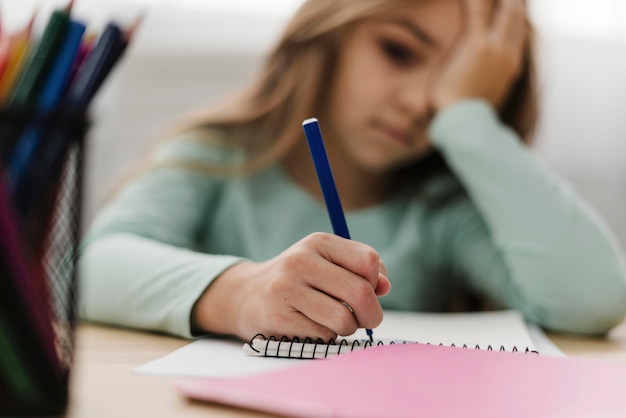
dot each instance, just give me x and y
(265, 118)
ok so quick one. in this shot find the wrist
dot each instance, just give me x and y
(453, 124)
(217, 310)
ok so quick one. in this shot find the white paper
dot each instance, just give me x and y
(216, 358)
(483, 329)
(212, 358)
(544, 344)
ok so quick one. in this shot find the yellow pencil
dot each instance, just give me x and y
(18, 52)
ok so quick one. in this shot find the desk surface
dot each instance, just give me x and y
(103, 384)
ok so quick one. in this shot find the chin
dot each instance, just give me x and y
(381, 166)
(384, 162)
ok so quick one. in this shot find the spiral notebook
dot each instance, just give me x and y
(492, 331)
(313, 349)
(223, 358)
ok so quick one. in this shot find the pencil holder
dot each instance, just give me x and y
(40, 212)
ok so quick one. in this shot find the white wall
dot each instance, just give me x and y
(583, 130)
(178, 61)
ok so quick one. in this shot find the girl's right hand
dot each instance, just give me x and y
(321, 287)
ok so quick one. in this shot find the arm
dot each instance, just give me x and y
(138, 266)
(142, 266)
(535, 245)
(542, 250)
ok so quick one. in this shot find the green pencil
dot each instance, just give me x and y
(38, 64)
(24, 93)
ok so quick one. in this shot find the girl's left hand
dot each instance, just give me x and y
(488, 57)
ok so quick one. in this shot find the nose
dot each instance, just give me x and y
(412, 97)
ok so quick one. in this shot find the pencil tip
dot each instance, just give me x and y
(31, 22)
(132, 29)
(70, 5)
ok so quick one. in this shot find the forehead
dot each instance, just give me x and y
(441, 20)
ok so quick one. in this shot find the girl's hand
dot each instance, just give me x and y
(310, 290)
(488, 56)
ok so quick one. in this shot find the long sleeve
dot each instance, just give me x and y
(536, 246)
(138, 265)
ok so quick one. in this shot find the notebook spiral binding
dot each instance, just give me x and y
(309, 348)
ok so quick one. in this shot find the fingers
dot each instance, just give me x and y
(382, 268)
(478, 14)
(510, 21)
(325, 286)
(334, 314)
(297, 324)
(335, 285)
(353, 256)
(354, 274)
(504, 18)
(314, 314)
(384, 285)
(511, 32)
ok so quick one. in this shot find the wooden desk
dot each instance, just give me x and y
(612, 347)
(103, 385)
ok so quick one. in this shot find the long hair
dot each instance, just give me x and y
(265, 118)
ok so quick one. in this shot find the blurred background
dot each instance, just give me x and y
(192, 52)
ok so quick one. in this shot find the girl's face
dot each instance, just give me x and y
(378, 110)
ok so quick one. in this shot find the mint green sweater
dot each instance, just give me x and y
(513, 234)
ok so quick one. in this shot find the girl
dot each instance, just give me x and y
(425, 107)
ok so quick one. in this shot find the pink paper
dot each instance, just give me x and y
(430, 381)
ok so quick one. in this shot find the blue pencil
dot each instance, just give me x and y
(98, 64)
(315, 141)
(50, 96)
(106, 52)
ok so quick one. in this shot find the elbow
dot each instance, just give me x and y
(578, 295)
(583, 321)
(592, 313)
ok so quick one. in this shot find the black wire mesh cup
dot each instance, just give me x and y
(47, 228)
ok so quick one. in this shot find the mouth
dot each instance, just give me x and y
(400, 135)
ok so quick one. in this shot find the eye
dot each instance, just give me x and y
(398, 53)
